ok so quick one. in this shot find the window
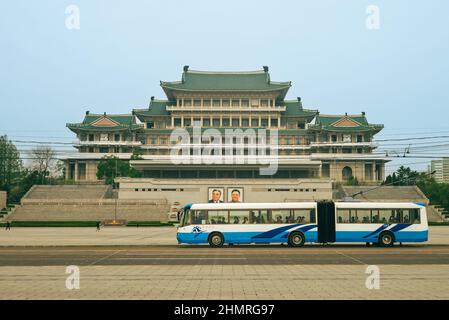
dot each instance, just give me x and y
(187, 122)
(226, 103)
(216, 122)
(264, 103)
(197, 103)
(225, 122)
(245, 122)
(254, 102)
(254, 122)
(245, 103)
(206, 122)
(206, 102)
(282, 216)
(274, 122)
(91, 149)
(218, 216)
(334, 138)
(216, 102)
(343, 216)
(258, 216)
(304, 216)
(198, 217)
(301, 125)
(177, 122)
(150, 125)
(359, 138)
(116, 137)
(264, 123)
(104, 149)
(235, 122)
(91, 137)
(188, 102)
(235, 103)
(239, 216)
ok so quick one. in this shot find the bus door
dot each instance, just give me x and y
(326, 221)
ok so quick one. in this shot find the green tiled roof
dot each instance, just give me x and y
(225, 81)
(157, 108)
(358, 123)
(119, 122)
(294, 109)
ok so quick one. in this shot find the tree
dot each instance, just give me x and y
(111, 167)
(11, 166)
(43, 162)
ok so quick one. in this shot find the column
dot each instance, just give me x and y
(76, 171)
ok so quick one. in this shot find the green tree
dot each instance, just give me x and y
(11, 166)
(111, 167)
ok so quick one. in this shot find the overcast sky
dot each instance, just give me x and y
(398, 74)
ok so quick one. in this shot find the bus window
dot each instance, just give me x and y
(218, 216)
(282, 216)
(304, 216)
(386, 216)
(198, 216)
(258, 216)
(239, 216)
(364, 215)
(343, 216)
(375, 216)
(413, 216)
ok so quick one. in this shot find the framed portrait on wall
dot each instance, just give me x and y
(235, 194)
(215, 195)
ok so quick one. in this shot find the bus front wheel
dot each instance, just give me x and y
(296, 239)
(386, 239)
(216, 240)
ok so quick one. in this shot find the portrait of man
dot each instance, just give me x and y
(216, 195)
(235, 194)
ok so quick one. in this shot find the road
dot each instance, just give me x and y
(235, 255)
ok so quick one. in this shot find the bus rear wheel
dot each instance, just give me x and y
(216, 240)
(386, 239)
(296, 239)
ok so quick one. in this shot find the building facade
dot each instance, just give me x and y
(309, 147)
(441, 169)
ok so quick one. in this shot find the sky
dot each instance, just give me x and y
(397, 73)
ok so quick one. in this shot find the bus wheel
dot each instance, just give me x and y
(386, 239)
(296, 239)
(216, 240)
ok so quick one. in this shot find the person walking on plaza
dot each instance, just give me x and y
(8, 225)
(98, 226)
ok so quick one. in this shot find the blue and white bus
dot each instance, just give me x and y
(295, 223)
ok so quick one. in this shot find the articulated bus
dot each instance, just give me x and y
(296, 223)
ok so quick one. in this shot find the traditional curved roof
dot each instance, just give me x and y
(344, 123)
(106, 122)
(156, 108)
(293, 108)
(218, 81)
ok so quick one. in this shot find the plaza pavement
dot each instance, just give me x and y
(127, 236)
(209, 281)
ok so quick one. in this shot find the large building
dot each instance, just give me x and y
(311, 149)
(440, 169)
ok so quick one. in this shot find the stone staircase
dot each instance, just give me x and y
(84, 203)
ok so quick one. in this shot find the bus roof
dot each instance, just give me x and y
(378, 205)
(231, 205)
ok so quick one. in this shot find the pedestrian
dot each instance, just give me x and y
(98, 226)
(8, 225)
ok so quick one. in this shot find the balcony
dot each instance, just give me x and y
(344, 144)
(228, 108)
(79, 143)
